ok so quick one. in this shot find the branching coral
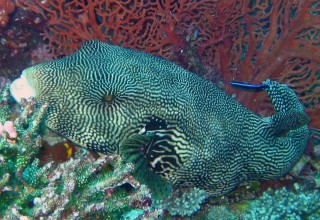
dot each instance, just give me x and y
(16, 154)
(76, 183)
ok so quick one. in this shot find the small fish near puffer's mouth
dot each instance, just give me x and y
(20, 88)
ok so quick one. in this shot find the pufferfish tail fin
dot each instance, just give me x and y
(133, 151)
(285, 133)
(282, 97)
(289, 125)
(289, 114)
(289, 111)
(282, 122)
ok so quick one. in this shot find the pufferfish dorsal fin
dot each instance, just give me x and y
(134, 150)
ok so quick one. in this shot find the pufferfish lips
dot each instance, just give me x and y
(20, 88)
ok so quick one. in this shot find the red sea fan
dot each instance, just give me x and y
(147, 25)
(241, 40)
(6, 8)
(281, 41)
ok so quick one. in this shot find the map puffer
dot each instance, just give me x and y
(115, 100)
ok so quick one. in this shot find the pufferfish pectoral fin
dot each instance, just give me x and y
(134, 150)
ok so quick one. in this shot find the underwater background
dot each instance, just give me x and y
(43, 175)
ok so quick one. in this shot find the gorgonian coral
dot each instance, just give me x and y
(240, 40)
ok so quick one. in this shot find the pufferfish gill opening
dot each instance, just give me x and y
(115, 100)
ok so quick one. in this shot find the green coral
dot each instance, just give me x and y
(4, 96)
(34, 175)
(81, 183)
(132, 215)
(284, 204)
(184, 203)
(220, 212)
(15, 157)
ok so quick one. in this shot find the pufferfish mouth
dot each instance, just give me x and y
(20, 88)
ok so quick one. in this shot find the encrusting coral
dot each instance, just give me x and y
(220, 212)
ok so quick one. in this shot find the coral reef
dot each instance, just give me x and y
(219, 40)
(15, 152)
(149, 26)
